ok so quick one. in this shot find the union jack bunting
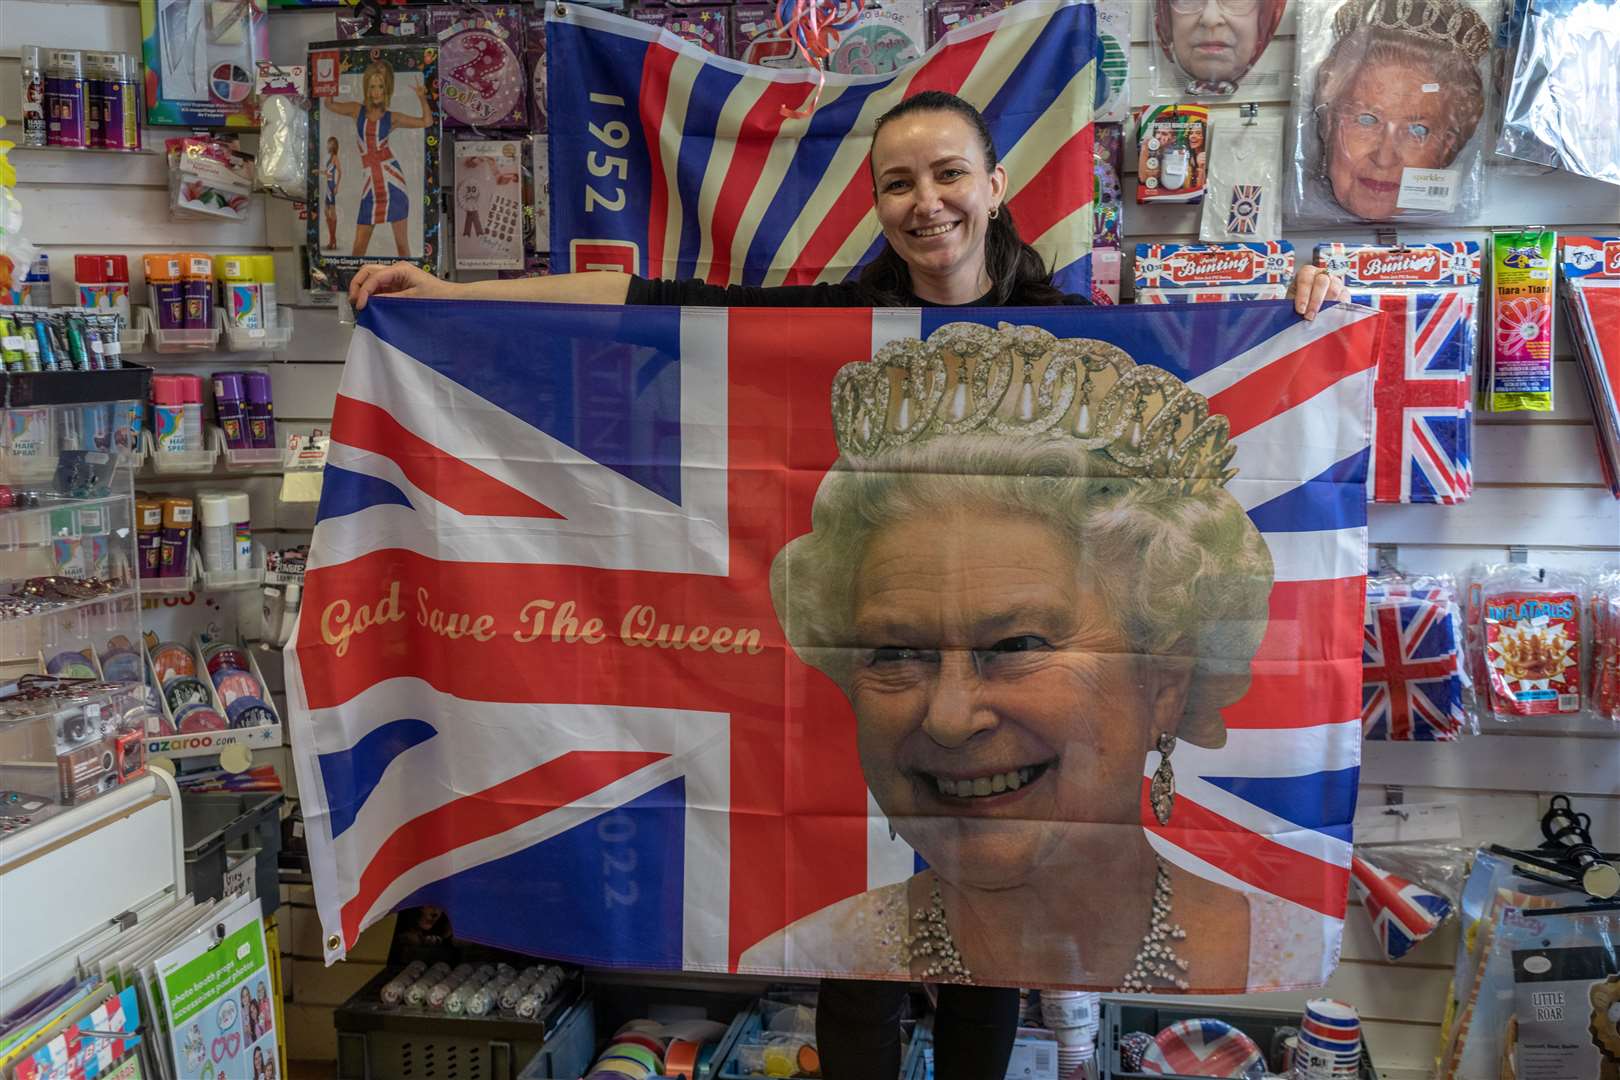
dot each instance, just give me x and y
(1422, 411)
(1402, 913)
(1412, 684)
(1244, 214)
(723, 187)
(540, 680)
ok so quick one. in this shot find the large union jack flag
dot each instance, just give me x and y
(1412, 684)
(1422, 411)
(722, 186)
(584, 786)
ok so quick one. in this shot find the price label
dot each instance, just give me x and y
(1428, 189)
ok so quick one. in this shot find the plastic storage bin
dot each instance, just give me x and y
(217, 827)
(397, 1042)
(569, 1049)
(1119, 1018)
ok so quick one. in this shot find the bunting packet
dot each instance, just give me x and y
(1589, 281)
(1422, 394)
(1413, 679)
(1210, 273)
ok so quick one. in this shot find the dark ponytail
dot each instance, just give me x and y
(1018, 275)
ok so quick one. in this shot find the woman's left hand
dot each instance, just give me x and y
(1314, 287)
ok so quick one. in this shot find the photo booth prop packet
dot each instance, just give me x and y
(1209, 273)
(1412, 672)
(1360, 149)
(1589, 281)
(489, 204)
(1423, 394)
(1561, 78)
(1242, 196)
(482, 77)
(373, 155)
(706, 27)
(1172, 154)
(1210, 49)
(1520, 376)
(201, 60)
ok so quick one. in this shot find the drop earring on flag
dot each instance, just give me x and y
(1162, 791)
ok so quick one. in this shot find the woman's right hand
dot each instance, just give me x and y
(395, 279)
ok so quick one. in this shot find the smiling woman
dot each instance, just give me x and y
(1027, 599)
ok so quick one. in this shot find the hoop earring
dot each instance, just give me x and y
(1162, 791)
(995, 212)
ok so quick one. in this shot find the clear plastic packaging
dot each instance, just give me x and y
(1534, 642)
(1172, 154)
(209, 178)
(1242, 195)
(1408, 891)
(1563, 76)
(1388, 107)
(1213, 49)
(1605, 680)
(1414, 679)
(282, 166)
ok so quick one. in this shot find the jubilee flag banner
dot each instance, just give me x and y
(671, 162)
(765, 640)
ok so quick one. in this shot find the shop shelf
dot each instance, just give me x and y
(57, 517)
(254, 458)
(178, 585)
(244, 339)
(179, 341)
(181, 463)
(232, 580)
(1261, 1025)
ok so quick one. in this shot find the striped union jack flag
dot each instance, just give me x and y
(1412, 686)
(1422, 411)
(1402, 913)
(725, 188)
(539, 679)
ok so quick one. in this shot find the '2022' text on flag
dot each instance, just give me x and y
(671, 162)
(528, 511)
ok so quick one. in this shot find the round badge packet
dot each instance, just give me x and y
(70, 665)
(121, 665)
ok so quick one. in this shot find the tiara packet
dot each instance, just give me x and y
(1520, 378)
(1210, 273)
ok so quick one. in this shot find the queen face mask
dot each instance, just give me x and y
(1387, 121)
(1213, 49)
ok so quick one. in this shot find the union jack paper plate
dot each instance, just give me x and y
(1203, 1048)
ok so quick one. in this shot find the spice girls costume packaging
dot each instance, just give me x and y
(1422, 394)
(1589, 280)
(376, 114)
(1209, 273)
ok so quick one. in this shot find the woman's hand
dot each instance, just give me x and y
(396, 279)
(1314, 287)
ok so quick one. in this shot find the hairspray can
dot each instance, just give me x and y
(168, 415)
(216, 539)
(230, 396)
(260, 416)
(95, 99)
(191, 406)
(65, 99)
(121, 108)
(149, 536)
(238, 292)
(264, 272)
(168, 298)
(175, 554)
(242, 528)
(197, 276)
(33, 96)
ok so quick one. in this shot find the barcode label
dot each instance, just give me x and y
(1428, 189)
(1569, 702)
(1043, 1059)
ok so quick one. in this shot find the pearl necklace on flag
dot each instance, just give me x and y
(1156, 962)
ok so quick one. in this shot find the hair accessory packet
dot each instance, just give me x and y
(1520, 376)
(1389, 108)
(1172, 155)
(1108, 211)
(1423, 388)
(1210, 273)
(209, 178)
(1589, 280)
(1413, 679)
(282, 166)
(1408, 891)
(1242, 200)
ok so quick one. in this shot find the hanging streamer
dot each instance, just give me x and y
(814, 27)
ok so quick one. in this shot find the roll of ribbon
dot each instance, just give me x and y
(646, 1027)
(641, 1039)
(622, 1047)
(621, 1066)
(681, 1059)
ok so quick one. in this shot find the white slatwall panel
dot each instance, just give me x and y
(1538, 487)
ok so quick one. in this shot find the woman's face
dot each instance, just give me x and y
(1214, 40)
(935, 192)
(376, 90)
(1003, 723)
(1385, 122)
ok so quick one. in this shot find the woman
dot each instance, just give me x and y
(1400, 89)
(939, 190)
(1091, 596)
(385, 199)
(250, 1015)
(1215, 42)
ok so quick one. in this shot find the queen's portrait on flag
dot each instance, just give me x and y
(1025, 573)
